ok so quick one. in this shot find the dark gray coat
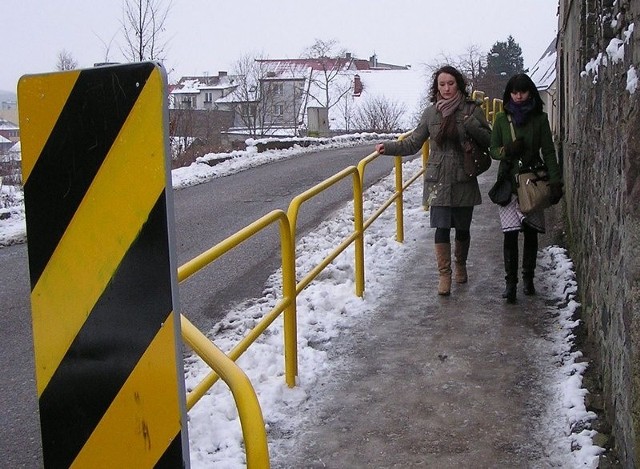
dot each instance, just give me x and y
(445, 182)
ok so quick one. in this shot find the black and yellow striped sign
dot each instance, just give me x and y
(103, 277)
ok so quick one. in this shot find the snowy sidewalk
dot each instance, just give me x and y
(446, 382)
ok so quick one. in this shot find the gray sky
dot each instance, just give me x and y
(208, 36)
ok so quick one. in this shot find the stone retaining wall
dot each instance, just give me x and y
(600, 151)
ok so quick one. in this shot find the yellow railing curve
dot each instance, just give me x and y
(249, 412)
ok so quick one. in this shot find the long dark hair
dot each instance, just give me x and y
(448, 129)
(460, 81)
(522, 83)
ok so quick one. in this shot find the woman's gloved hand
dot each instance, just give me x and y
(555, 192)
(515, 148)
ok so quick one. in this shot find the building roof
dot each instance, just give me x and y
(8, 125)
(543, 73)
(195, 84)
(348, 62)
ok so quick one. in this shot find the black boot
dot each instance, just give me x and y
(529, 255)
(510, 254)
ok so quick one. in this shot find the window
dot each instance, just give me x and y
(249, 110)
(278, 88)
(189, 102)
(208, 97)
(278, 110)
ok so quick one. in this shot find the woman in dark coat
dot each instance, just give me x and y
(449, 192)
(533, 146)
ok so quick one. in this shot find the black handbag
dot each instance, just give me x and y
(501, 191)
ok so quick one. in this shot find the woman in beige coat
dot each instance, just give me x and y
(450, 193)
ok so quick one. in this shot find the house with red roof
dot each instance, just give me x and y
(275, 97)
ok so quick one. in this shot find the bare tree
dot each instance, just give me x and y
(143, 25)
(379, 114)
(346, 111)
(325, 87)
(180, 131)
(470, 63)
(255, 95)
(66, 61)
(107, 46)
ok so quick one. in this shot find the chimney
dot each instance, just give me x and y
(348, 55)
(373, 61)
(357, 85)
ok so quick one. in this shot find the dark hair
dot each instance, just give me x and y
(522, 82)
(460, 81)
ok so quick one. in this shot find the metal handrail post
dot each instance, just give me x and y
(290, 328)
(358, 227)
(399, 200)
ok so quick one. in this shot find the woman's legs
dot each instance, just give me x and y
(510, 254)
(529, 256)
(443, 259)
(463, 241)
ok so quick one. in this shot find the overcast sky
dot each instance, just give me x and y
(208, 36)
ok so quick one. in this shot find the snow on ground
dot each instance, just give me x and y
(214, 429)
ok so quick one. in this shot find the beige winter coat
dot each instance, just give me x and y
(445, 182)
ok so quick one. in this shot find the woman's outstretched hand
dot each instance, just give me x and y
(380, 148)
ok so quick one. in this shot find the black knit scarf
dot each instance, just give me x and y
(520, 111)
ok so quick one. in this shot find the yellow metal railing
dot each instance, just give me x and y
(356, 236)
(223, 365)
(490, 107)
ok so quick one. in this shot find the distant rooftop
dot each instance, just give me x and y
(8, 125)
(348, 62)
(543, 73)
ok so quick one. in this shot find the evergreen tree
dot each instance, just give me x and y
(503, 61)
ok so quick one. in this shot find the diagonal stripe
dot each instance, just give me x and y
(145, 417)
(41, 96)
(123, 323)
(172, 454)
(91, 119)
(106, 223)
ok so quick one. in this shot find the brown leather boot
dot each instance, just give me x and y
(461, 253)
(443, 258)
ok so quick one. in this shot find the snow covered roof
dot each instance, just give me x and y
(286, 68)
(4, 140)
(193, 85)
(406, 88)
(282, 65)
(348, 62)
(16, 148)
(543, 73)
(7, 125)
